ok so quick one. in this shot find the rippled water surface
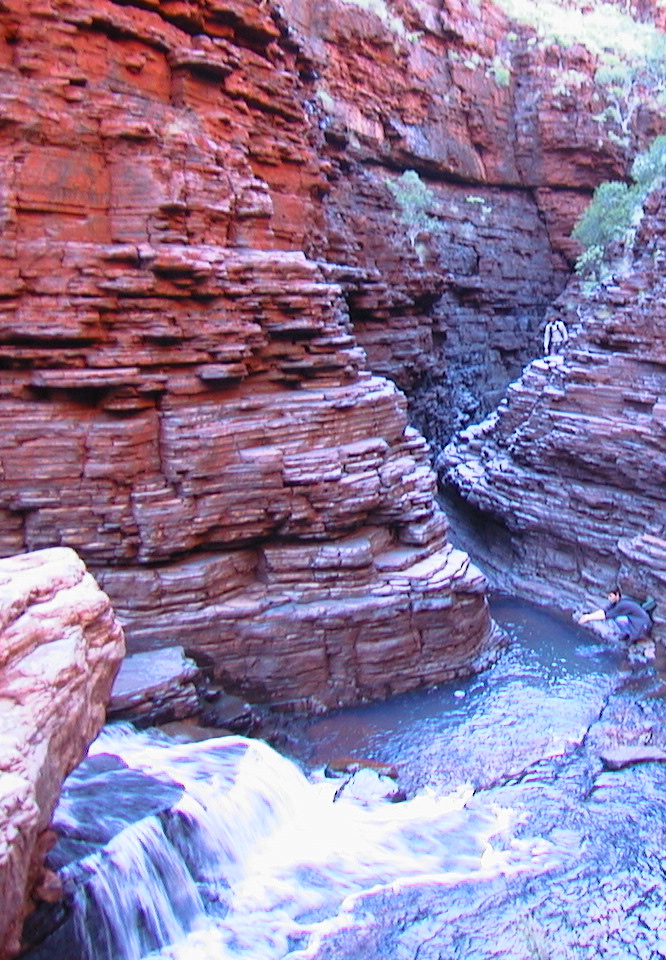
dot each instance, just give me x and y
(541, 696)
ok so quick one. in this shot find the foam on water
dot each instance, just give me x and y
(283, 861)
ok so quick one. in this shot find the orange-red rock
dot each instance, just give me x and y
(185, 401)
(572, 463)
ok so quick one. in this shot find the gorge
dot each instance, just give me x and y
(274, 284)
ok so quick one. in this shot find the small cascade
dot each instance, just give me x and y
(253, 859)
(140, 895)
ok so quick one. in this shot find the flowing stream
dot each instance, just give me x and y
(515, 841)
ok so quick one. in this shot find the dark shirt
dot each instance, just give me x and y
(639, 622)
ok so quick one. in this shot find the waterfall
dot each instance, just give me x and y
(138, 897)
(254, 859)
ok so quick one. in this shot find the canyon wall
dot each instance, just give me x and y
(568, 475)
(60, 647)
(509, 131)
(215, 286)
(183, 399)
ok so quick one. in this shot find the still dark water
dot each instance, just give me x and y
(537, 702)
(516, 841)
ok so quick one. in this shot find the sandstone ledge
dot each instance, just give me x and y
(307, 643)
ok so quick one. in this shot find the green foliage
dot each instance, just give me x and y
(630, 84)
(608, 215)
(605, 30)
(616, 208)
(414, 199)
(648, 168)
(501, 72)
(570, 81)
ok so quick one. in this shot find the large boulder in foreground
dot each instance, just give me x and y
(60, 648)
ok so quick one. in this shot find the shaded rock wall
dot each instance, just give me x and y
(182, 397)
(569, 472)
(60, 647)
(504, 128)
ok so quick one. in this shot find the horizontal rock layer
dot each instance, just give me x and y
(60, 647)
(155, 687)
(510, 131)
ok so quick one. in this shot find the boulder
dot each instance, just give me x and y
(155, 687)
(60, 648)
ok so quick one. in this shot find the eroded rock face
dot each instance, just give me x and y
(186, 403)
(504, 126)
(60, 647)
(207, 272)
(572, 464)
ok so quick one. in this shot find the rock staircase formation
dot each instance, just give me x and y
(572, 465)
(183, 400)
(206, 271)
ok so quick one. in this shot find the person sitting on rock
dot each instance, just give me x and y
(628, 614)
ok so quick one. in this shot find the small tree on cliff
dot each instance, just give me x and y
(611, 219)
(630, 84)
(414, 200)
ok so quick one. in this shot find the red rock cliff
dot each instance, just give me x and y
(571, 467)
(510, 132)
(207, 270)
(183, 399)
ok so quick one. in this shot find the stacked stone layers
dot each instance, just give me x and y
(183, 399)
(510, 132)
(60, 647)
(572, 464)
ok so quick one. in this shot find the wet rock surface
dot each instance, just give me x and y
(126, 795)
(548, 730)
(155, 687)
(514, 832)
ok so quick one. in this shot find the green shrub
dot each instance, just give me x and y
(414, 200)
(608, 215)
(605, 30)
(616, 209)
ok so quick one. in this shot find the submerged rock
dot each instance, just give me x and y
(340, 766)
(369, 786)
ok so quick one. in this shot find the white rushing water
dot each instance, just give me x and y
(260, 862)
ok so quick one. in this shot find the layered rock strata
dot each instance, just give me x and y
(510, 132)
(183, 399)
(60, 647)
(572, 466)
